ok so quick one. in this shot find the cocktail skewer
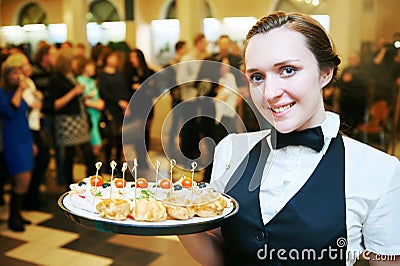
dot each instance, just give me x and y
(135, 165)
(171, 164)
(124, 167)
(194, 165)
(98, 166)
(157, 174)
(113, 164)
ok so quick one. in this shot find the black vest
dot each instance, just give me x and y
(309, 230)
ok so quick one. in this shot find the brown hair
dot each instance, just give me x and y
(316, 38)
(198, 38)
(63, 62)
(41, 52)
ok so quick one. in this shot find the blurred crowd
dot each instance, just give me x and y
(371, 78)
(66, 101)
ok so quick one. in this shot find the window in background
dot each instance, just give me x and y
(101, 11)
(32, 13)
(105, 23)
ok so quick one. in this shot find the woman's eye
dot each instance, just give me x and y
(256, 78)
(288, 71)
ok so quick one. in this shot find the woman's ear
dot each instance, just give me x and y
(326, 77)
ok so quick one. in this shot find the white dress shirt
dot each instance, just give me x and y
(372, 184)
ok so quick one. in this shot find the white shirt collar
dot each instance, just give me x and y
(330, 128)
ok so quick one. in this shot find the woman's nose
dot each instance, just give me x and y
(272, 88)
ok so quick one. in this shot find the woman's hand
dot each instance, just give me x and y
(68, 97)
(38, 95)
(78, 89)
(23, 84)
(96, 104)
(205, 247)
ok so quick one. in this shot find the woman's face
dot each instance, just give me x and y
(285, 81)
(14, 76)
(112, 60)
(27, 69)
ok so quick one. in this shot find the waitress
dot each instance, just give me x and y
(308, 195)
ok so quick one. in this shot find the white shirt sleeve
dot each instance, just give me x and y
(372, 199)
(381, 228)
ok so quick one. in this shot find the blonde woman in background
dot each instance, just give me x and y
(17, 138)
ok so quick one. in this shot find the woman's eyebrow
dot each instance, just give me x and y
(251, 70)
(282, 63)
(278, 64)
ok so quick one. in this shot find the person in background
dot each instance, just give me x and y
(353, 94)
(33, 98)
(18, 144)
(116, 94)
(226, 102)
(385, 67)
(80, 50)
(93, 102)
(180, 50)
(170, 74)
(301, 186)
(225, 51)
(186, 75)
(137, 72)
(71, 121)
(42, 71)
(189, 72)
(230, 50)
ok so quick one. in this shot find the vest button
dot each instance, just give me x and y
(260, 236)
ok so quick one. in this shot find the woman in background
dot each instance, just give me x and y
(17, 138)
(71, 121)
(115, 93)
(33, 97)
(137, 72)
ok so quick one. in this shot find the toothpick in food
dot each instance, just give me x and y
(124, 167)
(135, 165)
(171, 164)
(157, 174)
(194, 165)
(113, 164)
(98, 166)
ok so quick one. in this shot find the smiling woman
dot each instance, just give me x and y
(288, 82)
(301, 186)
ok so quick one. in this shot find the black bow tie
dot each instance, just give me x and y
(311, 137)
